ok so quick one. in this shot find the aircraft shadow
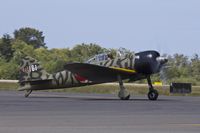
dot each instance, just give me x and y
(97, 98)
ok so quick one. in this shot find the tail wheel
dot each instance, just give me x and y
(153, 95)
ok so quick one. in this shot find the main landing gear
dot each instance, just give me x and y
(123, 93)
(28, 92)
(153, 94)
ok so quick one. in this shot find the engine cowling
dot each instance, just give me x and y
(149, 62)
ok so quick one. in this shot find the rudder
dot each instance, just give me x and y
(31, 70)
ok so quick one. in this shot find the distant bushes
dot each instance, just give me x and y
(29, 41)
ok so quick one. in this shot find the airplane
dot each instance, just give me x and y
(101, 68)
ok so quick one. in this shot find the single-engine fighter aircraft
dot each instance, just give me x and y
(101, 68)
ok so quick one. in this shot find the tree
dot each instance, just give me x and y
(6, 51)
(30, 36)
(52, 60)
(21, 50)
(81, 52)
(195, 64)
(8, 70)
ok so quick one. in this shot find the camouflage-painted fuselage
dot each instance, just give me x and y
(63, 79)
(126, 62)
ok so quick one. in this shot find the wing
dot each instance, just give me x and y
(97, 73)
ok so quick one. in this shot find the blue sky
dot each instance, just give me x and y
(169, 26)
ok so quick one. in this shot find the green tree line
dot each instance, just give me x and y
(31, 42)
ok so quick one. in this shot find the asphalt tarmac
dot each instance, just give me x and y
(50, 112)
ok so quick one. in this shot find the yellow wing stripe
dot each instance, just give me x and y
(124, 69)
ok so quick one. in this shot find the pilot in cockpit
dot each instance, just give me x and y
(110, 56)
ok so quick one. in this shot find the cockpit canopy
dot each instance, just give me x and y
(107, 56)
(98, 58)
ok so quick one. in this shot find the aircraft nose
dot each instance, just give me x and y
(162, 60)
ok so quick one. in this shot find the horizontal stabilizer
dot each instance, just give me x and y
(27, 85)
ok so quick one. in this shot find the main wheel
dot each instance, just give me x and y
(125, 98)
(153, 95)
(124, 95)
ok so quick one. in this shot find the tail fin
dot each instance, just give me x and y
(31, 70)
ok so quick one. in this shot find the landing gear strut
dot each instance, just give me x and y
(153, 94)
(28, 92)
(123, 93)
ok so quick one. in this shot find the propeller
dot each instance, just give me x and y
(163, 74)
(163, 77)
(163, 69)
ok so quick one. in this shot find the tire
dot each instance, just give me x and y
(153, 95)
(125, 98)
